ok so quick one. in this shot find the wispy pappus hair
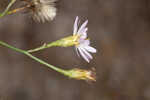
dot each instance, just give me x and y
(42, 10)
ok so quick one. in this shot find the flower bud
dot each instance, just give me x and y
(81, 74)
(68, 41)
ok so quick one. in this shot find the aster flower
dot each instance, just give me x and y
(78, 39)
(82, 46)
(42, 10)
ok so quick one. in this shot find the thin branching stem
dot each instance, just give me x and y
(44, 46)
(34, 58)
(16, 10)
(7, 8)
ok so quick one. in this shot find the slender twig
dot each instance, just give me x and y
(76, 73)
(17, 10)
(7, 8)
(64, 42)
(44, 46)
(35, 58)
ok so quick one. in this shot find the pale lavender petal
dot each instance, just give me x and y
(90, 49)
(83, 36)
(88, 55)
(83, 42)
(82, 27)
(86, 42)
(84, 33)
(83, 55)
(77, 51)
(83, 30)
(75, 25)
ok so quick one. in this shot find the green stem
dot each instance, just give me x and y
(55, 43)
(35, 58)
(11, 47)
(64, 42)
(7, 9)
(48, 65)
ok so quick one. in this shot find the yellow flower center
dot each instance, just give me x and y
(75, 39)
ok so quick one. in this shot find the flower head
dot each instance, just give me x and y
(78, 39)
(81, 74)
(42, 10)
(82, 42)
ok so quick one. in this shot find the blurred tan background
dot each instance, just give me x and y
(119, 29)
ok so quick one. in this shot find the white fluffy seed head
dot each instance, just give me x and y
(43, 10)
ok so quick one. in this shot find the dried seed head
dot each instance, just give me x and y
(42, 10)
(81, 74)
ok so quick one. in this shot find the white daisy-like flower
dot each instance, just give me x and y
(78, 39)
(42, 10)
(83, 47)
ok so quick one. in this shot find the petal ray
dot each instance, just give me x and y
(90, 49)
(82, 26)
(75, 25)
(83, 55)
